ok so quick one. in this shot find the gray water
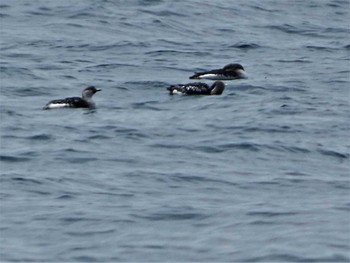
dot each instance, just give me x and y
(260, 173)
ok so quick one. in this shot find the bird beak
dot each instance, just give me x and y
(242, 74)
(98, 90)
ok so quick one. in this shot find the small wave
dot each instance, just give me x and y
(294, 149)
(149, 105)
(147, 84)
(74, 219)
(282, 129)
(40, 137)
(245, 46)
(65, 196)
(99, 137)
(171, 216)
(86, 233)
(292, 258)
(229, 147)
(173, 52)
(26, 180)
(163, 13)
(270, 214)
(2, 15)
(78, 159)
(12, 159)
(300, 60)
(199, 179)
(248, 87)
(320, 48)
(334, 154)
(110, 66)
(290, 29)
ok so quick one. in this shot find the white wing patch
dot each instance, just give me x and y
(57, 105)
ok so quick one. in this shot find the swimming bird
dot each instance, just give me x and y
(197, 88)
(229, 72)
(74, 102)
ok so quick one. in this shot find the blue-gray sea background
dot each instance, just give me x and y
(260, 173)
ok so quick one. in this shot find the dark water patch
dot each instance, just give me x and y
(51, 66)
(344, 185)
(13, 159)
(163, 13)
(146, 84)
(172, 216)
(114, 193)
(262, 222)
(337, 30)
(21, 55)
(320, 48)
(131, 133)
(83, 14)
(66, 197)
(77, 160)
(293, 258)
(147, 105)
(29, 92)
(173, 52)
(300, 60)
(215, 148)
(85, 258)
(298, 174)
(270, 130)
(69, 77)
(199, 179)
(245, 46)
(290, 29)
(40, 137)
(229, 147)
(345, 207)
(247, 87)
(3, 16)
(293, 149)
(14, 72)
(265, 9)
(76, 219)
(271, 214)
(171, 43)
(110, 65)
(11, 113)
(285, 89)
(5, 47)
(23, 180)
(334, 154)
(89, 233)
(98, 137)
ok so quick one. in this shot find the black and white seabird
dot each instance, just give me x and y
(74, 102)
(229, 72)
(197, 88)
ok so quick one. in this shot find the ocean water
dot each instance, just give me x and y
(258, 174)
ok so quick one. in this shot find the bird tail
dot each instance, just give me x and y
(195, 76)
(171, 89)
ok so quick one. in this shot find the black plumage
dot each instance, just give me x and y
(74, 102)
(229, 72)
(197, 88)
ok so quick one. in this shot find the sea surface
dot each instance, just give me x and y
(258, 174)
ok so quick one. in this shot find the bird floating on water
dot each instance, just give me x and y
(197, 88)
(229, 72)
(74, 102)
